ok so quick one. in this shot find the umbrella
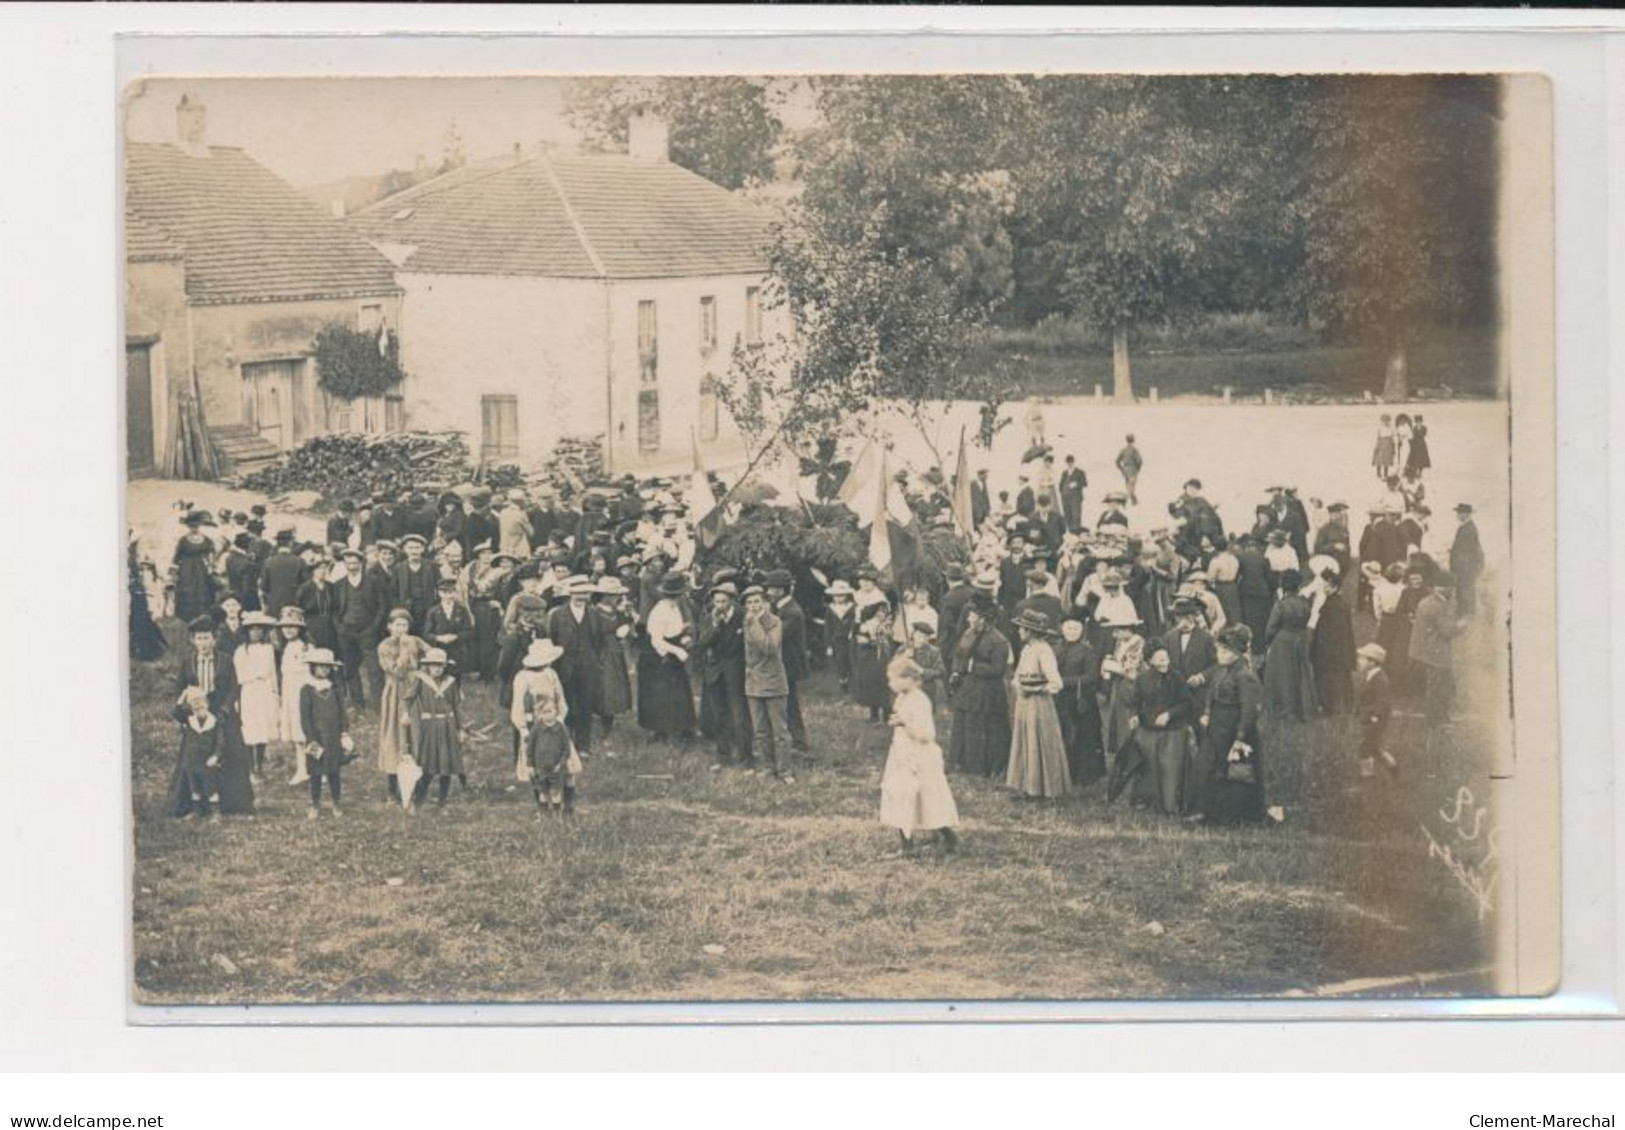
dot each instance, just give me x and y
(1125, 767)
(407, 774)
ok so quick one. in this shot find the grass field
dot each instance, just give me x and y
(482, 902)
(1048, 362)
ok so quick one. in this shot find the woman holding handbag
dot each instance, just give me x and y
(1229, 786)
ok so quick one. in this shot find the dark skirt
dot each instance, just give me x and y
(1255, 613)
(980, 743)
(236, 790)
(665, 699)
(1289, 680)
(1081, 731)
(440, 752)
(869, 686)
(1161, 782)
(147, 640)
(194, 588)
(1229, 595)
(1210, 792)
(614, 682)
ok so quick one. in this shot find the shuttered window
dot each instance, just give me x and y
(708, 324)
(648, 344)
(753, 315)
(499, 427)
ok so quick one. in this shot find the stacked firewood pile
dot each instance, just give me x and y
(576, 460)
(350, 465)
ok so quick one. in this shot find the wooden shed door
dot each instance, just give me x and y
(138, 406)
(270, 400)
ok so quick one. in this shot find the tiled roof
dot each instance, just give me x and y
(247, 235)
(598, 216)
(144, 243)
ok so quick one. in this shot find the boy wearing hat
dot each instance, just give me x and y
(1374, 704)
(1466, 560)
(449, 625)
(767, 686)
(200, 753)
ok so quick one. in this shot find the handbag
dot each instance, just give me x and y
(1240, 768)
(572, 763)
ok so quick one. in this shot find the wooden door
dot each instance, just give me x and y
(138, 407)
(270, 405)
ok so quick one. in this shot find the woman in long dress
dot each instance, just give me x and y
(1224, 574)
(614, 680)
(399, 655)
(259, 713)
(1118, 672)
(295, 674)
(1037, 749)
(1078, 704)
(1163, 730)
(1232, 708)
(1289, 679)
(1419, 459)
(872, 648)
(147, 640)
(1382, 455)
(193, 570)
(1164, 573)
(914, 794)
(665, 696)
(980, 739)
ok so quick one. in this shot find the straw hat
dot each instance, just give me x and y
(542, 653)
(839, 588)
(321, 657)
(1033, 621)
(258, 620)
(292, 617)
(1374, 652)
(433, 656)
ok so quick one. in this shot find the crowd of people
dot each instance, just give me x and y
(1057, 651)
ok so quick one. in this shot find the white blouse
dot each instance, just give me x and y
(665, 623)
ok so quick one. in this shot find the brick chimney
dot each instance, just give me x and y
(190, 127)
(648, 138)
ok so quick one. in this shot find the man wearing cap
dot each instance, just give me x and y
(514, 531)
(1466, 561)
(415, 580)
(341, 525)
(282, 575)
(1071, 485)
(724, 716)
(359, 607)
(793, 649)
(575, 629)
(767, 685)
(449, 626)
(1129, 464)
(1374, 705)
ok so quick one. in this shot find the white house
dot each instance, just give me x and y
(552, 295)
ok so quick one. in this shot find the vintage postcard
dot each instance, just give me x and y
(840, 537)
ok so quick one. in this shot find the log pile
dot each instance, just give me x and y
(351, 465)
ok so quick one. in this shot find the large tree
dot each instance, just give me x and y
(1396, 207)
(723, 128)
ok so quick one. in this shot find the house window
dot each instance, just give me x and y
(340, 414)
(708, 324)
(710, 409)
(648, 344)
(753, 315)
(394, 413)
(370, 317)
(649, 420)
(499, 427)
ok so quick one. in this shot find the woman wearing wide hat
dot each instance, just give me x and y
(665, 696)
(193, 571)
(1037, 750)
(291, 627)
(980, 739)
(1289, 679)
(1227, 784)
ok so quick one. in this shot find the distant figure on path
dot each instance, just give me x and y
(1466, 561)
(1071, 484)
(1382, 457)
(1129, 463)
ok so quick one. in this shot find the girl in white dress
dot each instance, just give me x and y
(295, 674)
(255, 665)
(914, 793)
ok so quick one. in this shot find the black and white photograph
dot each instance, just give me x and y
(838, 537)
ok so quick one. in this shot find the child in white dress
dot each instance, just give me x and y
(914, 793)
(259, 712)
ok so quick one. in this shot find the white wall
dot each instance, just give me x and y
(540, 340)
(682, 365)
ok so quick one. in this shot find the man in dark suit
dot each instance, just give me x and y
(282, 575)
(1071, 484)
(1200, 516)
(1190, 646)
(359, 608)
(480, 524)
(1013, 574)
(980, 504)
(1466, 561)
(724, 717)
(450, 626)
(341, 525)
(951, 618)
(573, 627)
(1038, 598)
(797, 662)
